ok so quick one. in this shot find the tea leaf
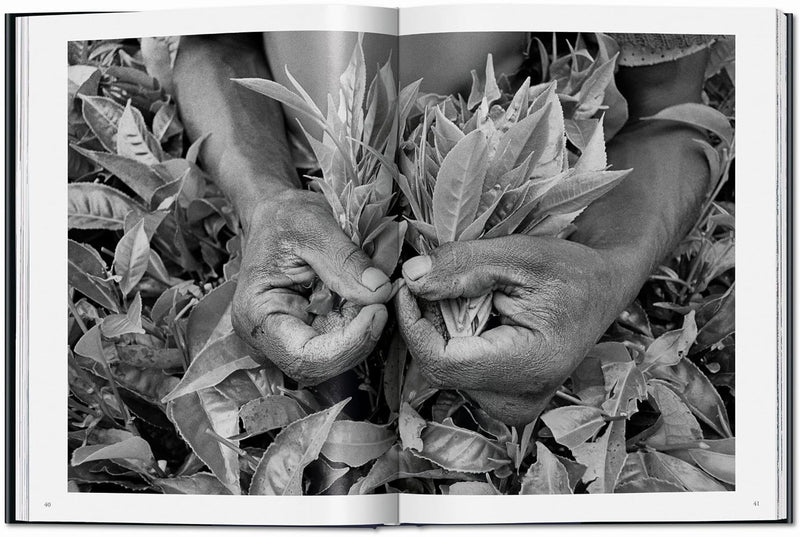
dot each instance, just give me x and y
(131, 257)
(471, 488)
(280, 471)
(490, 90)
(458, 187)
(603, 458)
(97, 206)
(593, 89)
(102, 115)
(90, 345)
(677, 425)
(575, 471)
(247, 385)
(410, 426)
(213, 364)
(475, 92)
(694, 389)
(671, 469)
(321, 476)
(134, 140)
(200, 483)
(406, 100)
(82, 80)
(147, 356)
(84, 260)
(573, 425)
(269, 412)
(593, 154)
(578, 190)
(198, 411)
(396, 463)
(648, 484)
(387, 247)
(381, 106)
(460, 450)
(130, 323)
(579, 131)
(546, 476)
(210, 319)
(670, 347)
(488, 424)
(352, 85)
(446, 134)
(165, 122)
(719, 465)
(625, 386)
(721, 324)
(133, 447)
(511, 223)
(515, 146)
(283, 95)
(475, 229)
(355, 443)
(700, 116)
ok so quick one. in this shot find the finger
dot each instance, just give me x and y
(518, 311)
(425, 342)
(346, 269)
(465, 269)
(490, 361)
(310, 357)
(251, 305)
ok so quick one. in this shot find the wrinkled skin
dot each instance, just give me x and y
(540, 288)
(291, 240)
(556, 297)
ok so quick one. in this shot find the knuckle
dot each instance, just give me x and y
(346, 255)
(433, 373)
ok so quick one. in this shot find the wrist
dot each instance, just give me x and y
(256, 202)
(627, 268)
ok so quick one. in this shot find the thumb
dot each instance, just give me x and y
(346, 269)
(460, 269)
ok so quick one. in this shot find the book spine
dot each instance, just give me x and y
(10, 273)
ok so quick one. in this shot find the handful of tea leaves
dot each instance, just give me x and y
(494, 165)
(356, 181)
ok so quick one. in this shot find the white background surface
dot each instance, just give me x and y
(40, 5)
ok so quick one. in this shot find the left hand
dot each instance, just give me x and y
(555, 298)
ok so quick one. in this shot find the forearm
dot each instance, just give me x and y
(641, 221)
(246, 151)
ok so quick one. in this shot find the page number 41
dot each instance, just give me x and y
(756, 503)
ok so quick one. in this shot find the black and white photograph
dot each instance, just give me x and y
(340, 263)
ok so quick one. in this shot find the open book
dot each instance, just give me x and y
(355, 266)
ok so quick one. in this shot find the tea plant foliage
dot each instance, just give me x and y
(164, 397)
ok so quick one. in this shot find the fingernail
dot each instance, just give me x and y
(373, 279)
(417, 267)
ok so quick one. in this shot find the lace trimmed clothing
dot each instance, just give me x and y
(650, 49)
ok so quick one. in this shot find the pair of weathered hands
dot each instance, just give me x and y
(553, 297)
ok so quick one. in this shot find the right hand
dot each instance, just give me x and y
(290, 240)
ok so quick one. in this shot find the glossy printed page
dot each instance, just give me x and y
(244, 325)
(238, 345)
(388, 273)
(226, 311)
(575, 199)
